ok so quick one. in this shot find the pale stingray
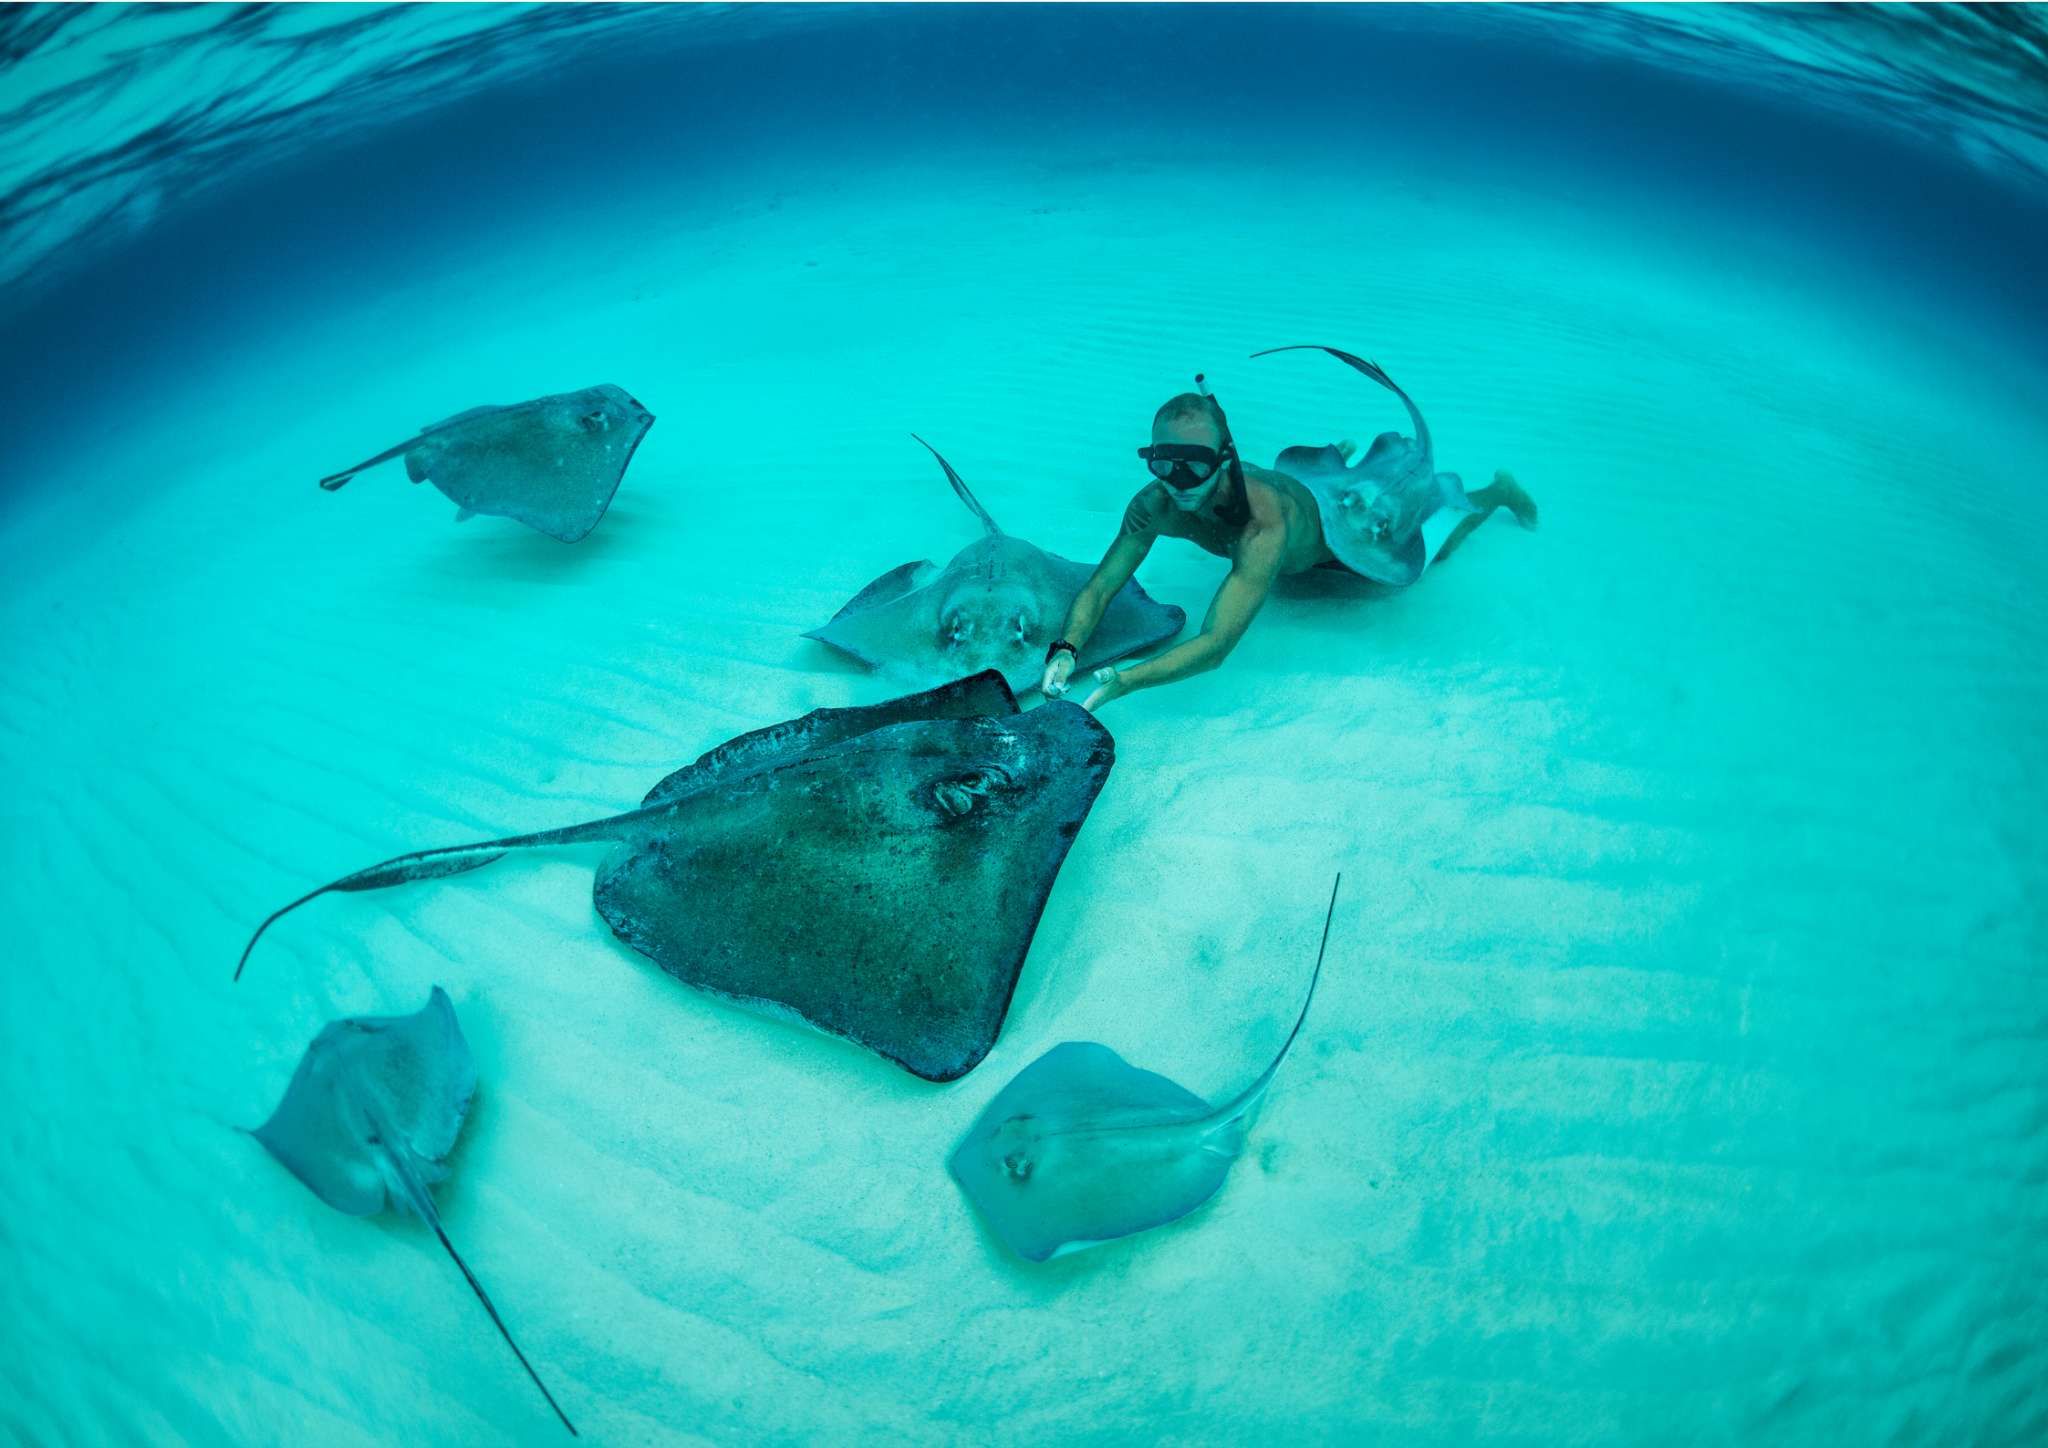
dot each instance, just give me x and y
(375, 1105)
(1373, 511)
(552, 463)
(997, 605)
(1083, 1147)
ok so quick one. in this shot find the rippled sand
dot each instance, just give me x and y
(1676, 1075)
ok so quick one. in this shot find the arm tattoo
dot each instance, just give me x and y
(1137, 517)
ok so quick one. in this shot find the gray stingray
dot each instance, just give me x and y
(875, 873)
(1373, 511)
(1082, 1147)
(375, 1105)
(552, 463)
(997, 605)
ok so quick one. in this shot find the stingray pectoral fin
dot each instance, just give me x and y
(464, 416)
(979, 696)
(1452, 487)
(1312, 466)
(1133, 621)
(449, 860)
(1385, 446)
(505, 1332)
(1409, 561)
(900, 635)
(335, 480)
(306, 1139)
(902, 579)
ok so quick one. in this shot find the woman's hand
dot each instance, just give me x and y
(1109, 684)
(1054, 682)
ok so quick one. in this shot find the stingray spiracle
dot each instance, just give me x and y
(957, 795)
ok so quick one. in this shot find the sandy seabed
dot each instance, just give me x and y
(1678, 1070)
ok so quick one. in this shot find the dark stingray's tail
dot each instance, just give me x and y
(449, 860)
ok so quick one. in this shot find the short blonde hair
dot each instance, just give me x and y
(1187, 407)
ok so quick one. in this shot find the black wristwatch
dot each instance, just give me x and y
(1056, 645)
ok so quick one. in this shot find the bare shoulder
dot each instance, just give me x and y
(1268, 497)
(1149, 512)
(1284, 517)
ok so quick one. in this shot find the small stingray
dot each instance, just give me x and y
(552, 463)
(373, 1108)
(874, 873)
(1082, 1147)
(1373, 512)
(998, 605)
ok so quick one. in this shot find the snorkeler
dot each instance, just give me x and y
(1266, 523)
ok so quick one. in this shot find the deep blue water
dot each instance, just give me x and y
(1905, 139)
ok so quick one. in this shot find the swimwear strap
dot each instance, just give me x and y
(1056, 645)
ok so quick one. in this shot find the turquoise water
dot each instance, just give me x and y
(1677, 1072)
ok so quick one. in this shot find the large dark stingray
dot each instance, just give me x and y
(552, 463)
(876, 873)
(375, 1105)
(1082, 1147)
(1373, 511)
(997, 605)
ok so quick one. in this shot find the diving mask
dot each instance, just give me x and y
(1181, 465)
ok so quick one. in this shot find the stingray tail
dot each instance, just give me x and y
(335, 480)
(1372, 370)
(1226, 1115)
(433, 864)
(413, 1193)
(434, 1221)
(959, 487)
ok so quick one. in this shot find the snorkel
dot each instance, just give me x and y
(1235, 512)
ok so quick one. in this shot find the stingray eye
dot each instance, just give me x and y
(959, 630)
(1017, 1164)
(595, 422)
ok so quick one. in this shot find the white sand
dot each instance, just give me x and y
(1677, 1072)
